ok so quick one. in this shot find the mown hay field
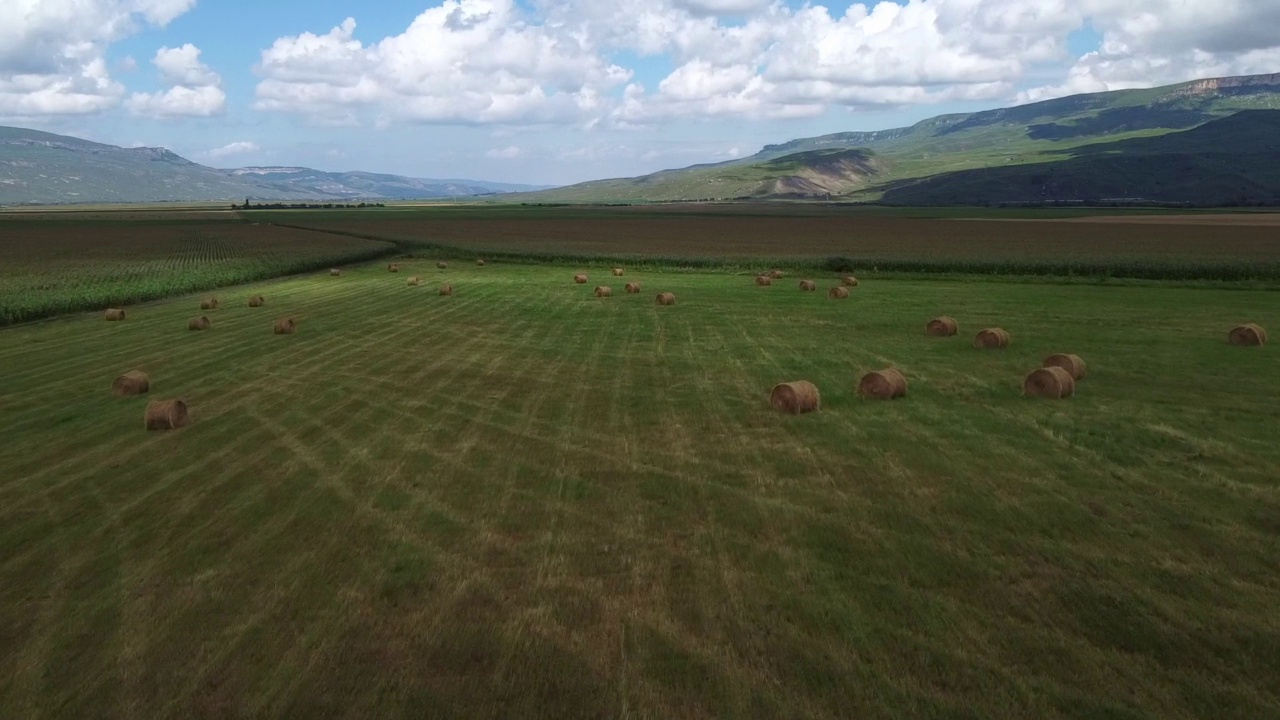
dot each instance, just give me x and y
(55, 264)
(1203, 247)
(526, 501)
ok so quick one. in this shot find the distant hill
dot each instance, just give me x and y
(1042, 132)
(1232, 161)
(43, 168)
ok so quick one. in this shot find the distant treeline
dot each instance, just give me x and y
(303, 206)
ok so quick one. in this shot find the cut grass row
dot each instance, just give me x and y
(524, 501)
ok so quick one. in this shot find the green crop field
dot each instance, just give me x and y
(77, 261)
(524, 501)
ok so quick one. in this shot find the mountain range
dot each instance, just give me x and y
(43, 168)
(1207, 142)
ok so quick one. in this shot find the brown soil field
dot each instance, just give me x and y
(864, 236)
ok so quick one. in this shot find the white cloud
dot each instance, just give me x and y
(52, 51)
(462, 62)
(243, 147)
(196, 89)
(510, 152)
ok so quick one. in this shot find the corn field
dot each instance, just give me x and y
(55, 268)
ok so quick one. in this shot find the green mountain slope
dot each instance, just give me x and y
(1034, 133)
(43, 168)
(1232, 161)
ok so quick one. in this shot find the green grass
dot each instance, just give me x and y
(522, 501)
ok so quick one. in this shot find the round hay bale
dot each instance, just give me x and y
(257, 301)
(1248, 335)
(838, 293)
(1071, 363)
(666, 298)
(415, 281)
(992, 339)
(479, 263)
(393, 267)
(580, 279)
(285, 326)
(604, 291)
(113, 315)
(134, 382)
(167, 415)
(1049, 382)
(335, 272)
(808, 286)
(442, 265)
(617, 272)
(795, 397)
(446, 289)
(209, 304)
(199, 323)
(764, 281)
(849, 281)
(888, 384)
(776, 275)
(943, 326)
(633, 288)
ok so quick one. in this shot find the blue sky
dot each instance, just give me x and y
(558, 91)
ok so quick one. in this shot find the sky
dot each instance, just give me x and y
(561, 91)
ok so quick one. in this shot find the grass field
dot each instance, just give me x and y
(1205, 247)
(522, 501)
(64, 263)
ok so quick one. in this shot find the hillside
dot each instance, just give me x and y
(44, 168)
(1232, 161)
(1039, 132)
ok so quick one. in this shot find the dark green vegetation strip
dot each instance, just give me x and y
(522, 501)
(1194, 247)
(54, 266)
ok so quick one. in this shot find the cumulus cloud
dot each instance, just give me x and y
(464, 61)
(243, 147)
(196, 90)
(52, 51)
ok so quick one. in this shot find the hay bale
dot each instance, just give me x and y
(776, 275)
(849, 281)
(808, 286)
(617, 272)
(393, 267)
(887, 384)
(795, 397)
(992, 339)
(764, 281)
(446, 289)
(134, 382)
(257, 301)
(604, 291)
(285, 326)
(479, 263)
(199, 323)
(1071, 363)
(580, 279)
(415, 281)
(442, 265)
(209, 304)
(335, 272)
(633, 288)
(838, 293)
(1049, 382)
(167, 415)
(113, 315)
(666, 298)
(942, 326)
(1248, 335)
